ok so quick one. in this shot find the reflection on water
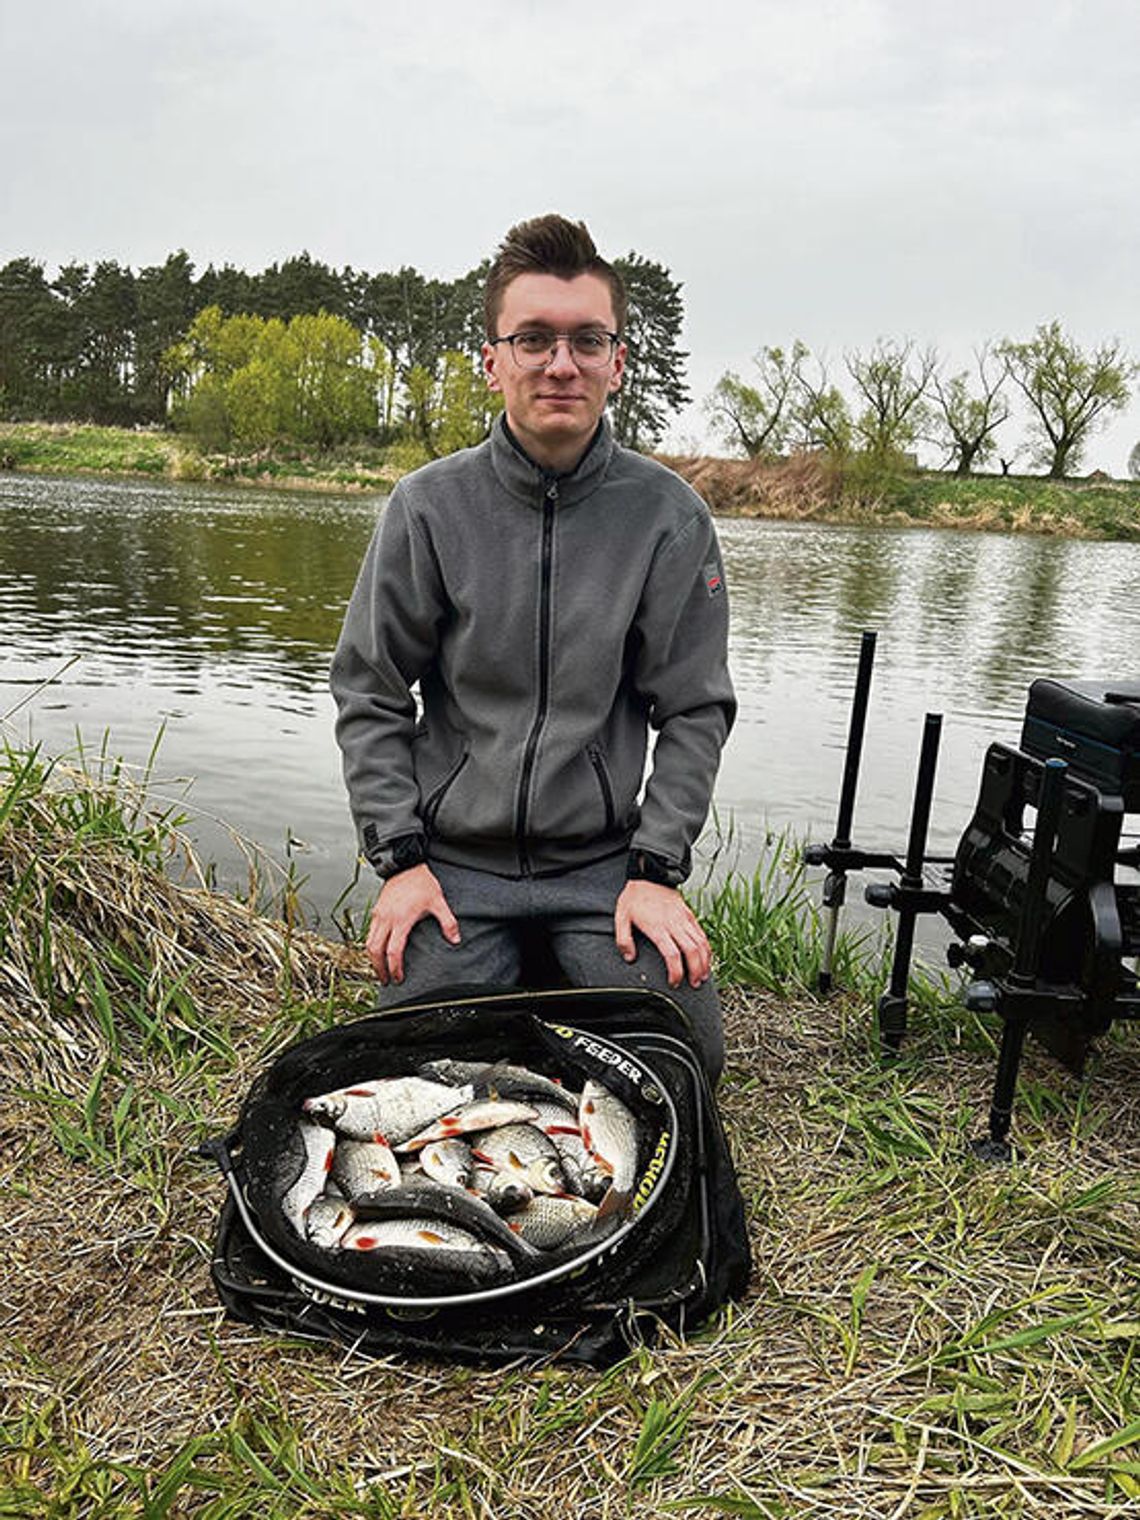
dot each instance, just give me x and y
(213, 611)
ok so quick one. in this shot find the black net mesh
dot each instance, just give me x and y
(272, 1154)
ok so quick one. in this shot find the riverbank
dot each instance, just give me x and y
(922, 1336)
(806, 488)
(810, 488)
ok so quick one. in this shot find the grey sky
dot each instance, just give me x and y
(833, 170)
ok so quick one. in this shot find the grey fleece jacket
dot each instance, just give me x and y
(549, 621)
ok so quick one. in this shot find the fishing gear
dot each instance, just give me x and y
(1041, 893)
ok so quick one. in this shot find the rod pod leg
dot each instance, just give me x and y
(995, 1147)
(1022, 979)
(835, 888)
(893, 1003)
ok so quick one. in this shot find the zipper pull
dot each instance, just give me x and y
(550, 490)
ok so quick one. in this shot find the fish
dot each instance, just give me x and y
(318, 1146)
(506, 1081)
(502, 1191)
(432, 1201)
(609, 1133)
(584, 1176)
(395, 1107)
(525, 1153)
(364, 1166)
(551, 1222)
(410, 1242)
(482, 1114)
(449, 1162)
(327, 1220)
(501, 1079)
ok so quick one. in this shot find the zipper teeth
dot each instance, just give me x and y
(599, 764)
(550, 498)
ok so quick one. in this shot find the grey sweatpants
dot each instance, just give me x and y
(576, 911)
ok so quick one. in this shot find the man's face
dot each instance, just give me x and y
(553, 411)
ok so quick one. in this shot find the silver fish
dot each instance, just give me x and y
(394, 1107)
(583, 1174)
(483, 1114)
(445, 1246)
(503, 1192)
(506, 1081)
(501, 1079)
(318, 1146)
(550, 1222)
(449, 1162)
(433, 1202)
(609, 1133)
(327, 1220)
(525, 1153)
(364, 1166)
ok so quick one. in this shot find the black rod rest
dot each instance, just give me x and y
(1041, 921)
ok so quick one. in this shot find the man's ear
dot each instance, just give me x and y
(619, 367)
(489, 357)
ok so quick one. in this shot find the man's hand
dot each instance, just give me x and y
(405, 899)
(664, 917)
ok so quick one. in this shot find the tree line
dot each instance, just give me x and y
(297, 352)
(899, 396)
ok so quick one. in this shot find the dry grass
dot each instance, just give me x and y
(923, 1337)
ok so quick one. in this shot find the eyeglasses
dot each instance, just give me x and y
(535, 347)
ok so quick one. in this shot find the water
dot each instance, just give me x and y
(210, 613)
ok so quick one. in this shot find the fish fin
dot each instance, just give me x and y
(613, 1203)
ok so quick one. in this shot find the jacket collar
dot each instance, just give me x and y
(523, 478)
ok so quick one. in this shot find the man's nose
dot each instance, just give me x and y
(562, 360)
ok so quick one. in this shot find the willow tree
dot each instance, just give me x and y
(1070, 392)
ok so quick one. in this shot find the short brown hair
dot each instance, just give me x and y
(548, 245)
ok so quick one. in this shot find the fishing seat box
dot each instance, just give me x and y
(1094, 726)
(678, 1257)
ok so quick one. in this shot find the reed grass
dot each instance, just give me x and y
(923, 1337)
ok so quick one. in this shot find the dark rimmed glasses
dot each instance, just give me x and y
(535, 347)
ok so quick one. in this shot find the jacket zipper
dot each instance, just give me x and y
(598, 761)
(549, 506)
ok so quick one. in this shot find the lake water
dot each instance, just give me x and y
(210, 613)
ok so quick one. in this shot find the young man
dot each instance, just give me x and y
(553, 596)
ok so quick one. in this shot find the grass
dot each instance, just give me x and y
(923, 1336)
(803, 488)
(66, 448)
(810, 488)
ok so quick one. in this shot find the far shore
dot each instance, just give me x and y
(804, 488)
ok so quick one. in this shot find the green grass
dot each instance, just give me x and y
(923, 1336)
(68, 448)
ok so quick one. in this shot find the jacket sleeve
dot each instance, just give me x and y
(682, 673)
(389, 637)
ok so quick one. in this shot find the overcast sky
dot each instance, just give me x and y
(832, 170)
